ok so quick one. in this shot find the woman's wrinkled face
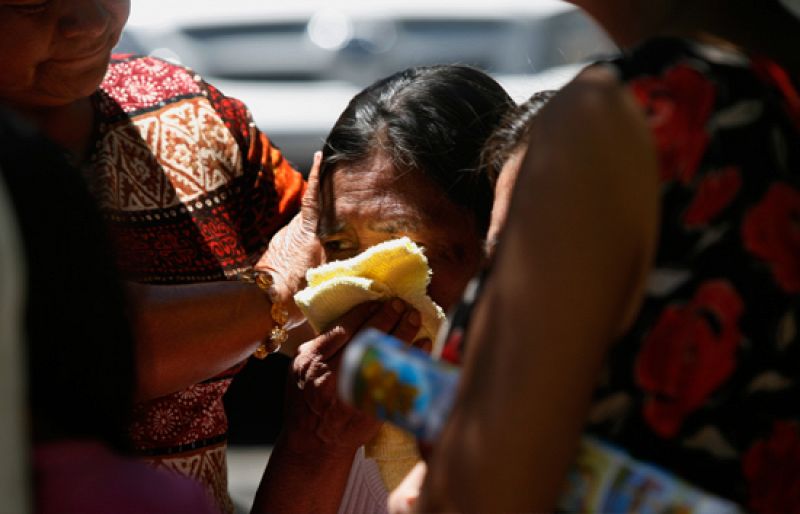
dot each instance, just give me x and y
(371, 202)
(54, 52)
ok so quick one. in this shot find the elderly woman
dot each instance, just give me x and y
(402, 160)
(646, 286)
(192, 194)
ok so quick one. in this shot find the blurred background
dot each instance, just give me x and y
(297, 63)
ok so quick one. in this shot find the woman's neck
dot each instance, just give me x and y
(70, 126)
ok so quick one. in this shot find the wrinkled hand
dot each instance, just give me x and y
(295, 248)
(317, 420)
(404, 497)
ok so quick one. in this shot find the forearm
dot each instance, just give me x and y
(513, 432)
(567, 279)
(311, 462)
(301, 483)
(189, 333)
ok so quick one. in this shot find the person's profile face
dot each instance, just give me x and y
(503, 191)
(367, 203)
(54, 52)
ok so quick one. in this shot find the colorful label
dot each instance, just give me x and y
(405, 386)
(606, 479)
(397, 383)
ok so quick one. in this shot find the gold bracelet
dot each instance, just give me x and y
(278, 311)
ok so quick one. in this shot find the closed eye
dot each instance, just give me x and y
(339, 248)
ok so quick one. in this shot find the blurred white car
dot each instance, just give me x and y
(297, 63)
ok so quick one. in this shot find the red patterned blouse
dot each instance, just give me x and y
(192, 191)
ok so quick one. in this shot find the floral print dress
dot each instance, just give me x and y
(705, 383)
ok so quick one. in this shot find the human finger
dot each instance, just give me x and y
(388, 316)
(407, 327)
(306, 364)
(310, 202)
(332, 340)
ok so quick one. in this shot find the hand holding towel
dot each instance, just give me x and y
(396, 268)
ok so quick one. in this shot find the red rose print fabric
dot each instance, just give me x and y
(705, 383)
(771, 72)
(680, 134)
(771, 231)
(689, 353)
(772, 469)
(714, 193)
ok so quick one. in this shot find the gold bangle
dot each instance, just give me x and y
(278, 312)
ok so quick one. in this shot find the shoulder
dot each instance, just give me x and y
(143, 82)
(592, 156)
(598, 117)
(596, 92)
(137, 85)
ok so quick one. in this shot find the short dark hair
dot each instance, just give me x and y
(511, 132)
(431, 119)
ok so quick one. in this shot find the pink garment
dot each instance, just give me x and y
(85, 477)
(365, 492)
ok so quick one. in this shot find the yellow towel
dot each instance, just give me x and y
(392, 268)
(396, 268)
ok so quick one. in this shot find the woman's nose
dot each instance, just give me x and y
(85, 18)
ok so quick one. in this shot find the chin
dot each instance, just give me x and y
(91, 82)
(62, 89)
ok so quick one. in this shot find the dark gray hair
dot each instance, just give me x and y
(432, 119)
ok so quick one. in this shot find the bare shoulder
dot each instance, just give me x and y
(594, 128)
(596, 87)
(596, 108)
(593, 164)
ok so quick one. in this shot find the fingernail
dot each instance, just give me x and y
(414, 318)
(398, 306)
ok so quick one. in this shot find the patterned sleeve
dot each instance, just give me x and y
(275, 187)
(193, 191)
